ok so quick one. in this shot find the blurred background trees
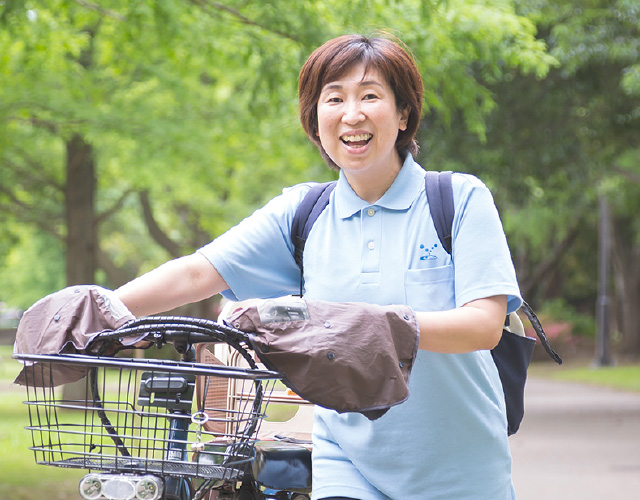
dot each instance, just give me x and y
(134, 132)
(553, 146)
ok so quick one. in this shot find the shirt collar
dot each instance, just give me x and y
(400, 195)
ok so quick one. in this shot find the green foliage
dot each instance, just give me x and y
(195, 104)
(553, 146)
(32, 268)
(464, 46)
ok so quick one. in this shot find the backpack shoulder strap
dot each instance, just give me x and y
(440, 197)
(311, 206)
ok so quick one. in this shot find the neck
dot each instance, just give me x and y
(370, 187)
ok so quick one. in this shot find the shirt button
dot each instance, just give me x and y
(371, 212)
(371, 245)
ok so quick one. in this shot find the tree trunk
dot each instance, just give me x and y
(81, 231)
(626, 268)
(80, 217)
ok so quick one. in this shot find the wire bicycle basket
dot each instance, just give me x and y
(147, 417)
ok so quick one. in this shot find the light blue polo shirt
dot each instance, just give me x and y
(449, 439)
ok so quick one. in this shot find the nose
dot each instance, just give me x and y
(352, 112)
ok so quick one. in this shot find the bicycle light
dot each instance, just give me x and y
(90, 487)
(120, 487)
(149, 488)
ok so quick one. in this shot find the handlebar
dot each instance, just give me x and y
(181, 331)
(165, 329)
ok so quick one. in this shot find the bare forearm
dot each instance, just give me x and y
(173, 284)
(477, 325)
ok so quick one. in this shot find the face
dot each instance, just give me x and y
(358, 123)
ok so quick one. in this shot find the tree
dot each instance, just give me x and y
(179, 117)
(553, 146)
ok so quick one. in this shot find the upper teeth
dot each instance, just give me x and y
(356, 138)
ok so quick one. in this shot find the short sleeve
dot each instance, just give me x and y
(481, 256)
(255, 257)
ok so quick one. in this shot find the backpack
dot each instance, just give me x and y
(513, 353)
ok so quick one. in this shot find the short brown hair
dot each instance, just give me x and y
(336, 57)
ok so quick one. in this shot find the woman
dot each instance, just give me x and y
(360, 103)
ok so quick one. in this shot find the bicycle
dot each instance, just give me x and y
(152, 429)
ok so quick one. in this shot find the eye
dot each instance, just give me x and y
(334, 99)
(369, 96)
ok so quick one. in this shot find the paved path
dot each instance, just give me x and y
(577, 442)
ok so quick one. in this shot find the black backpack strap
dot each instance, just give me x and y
(535, 322)
(312, 205)
(440, 197)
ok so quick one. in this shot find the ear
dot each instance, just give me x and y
(404, 118)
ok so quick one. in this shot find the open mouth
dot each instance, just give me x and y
(356, 141)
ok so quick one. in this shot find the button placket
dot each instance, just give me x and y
(371, 240)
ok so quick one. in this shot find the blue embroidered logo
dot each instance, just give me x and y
(429, 255)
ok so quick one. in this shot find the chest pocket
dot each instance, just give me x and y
(431, 289)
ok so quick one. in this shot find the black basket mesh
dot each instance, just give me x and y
(142, 417)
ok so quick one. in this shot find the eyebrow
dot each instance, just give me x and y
(363, 83)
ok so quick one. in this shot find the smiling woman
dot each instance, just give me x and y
(360, 104)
